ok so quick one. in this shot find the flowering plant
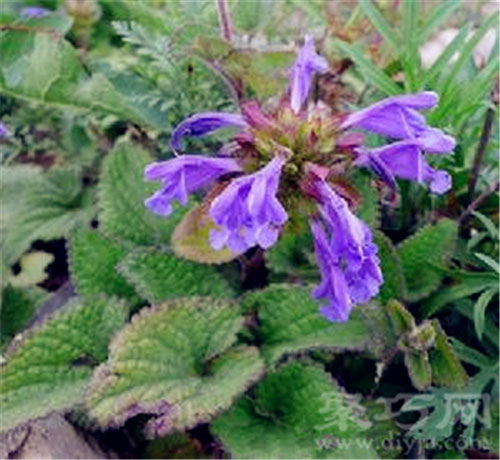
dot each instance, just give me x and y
(305, 147)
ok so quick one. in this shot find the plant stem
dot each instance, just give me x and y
(225, 20)
(478, 202)
(481, 149)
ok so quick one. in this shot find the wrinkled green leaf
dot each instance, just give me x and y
(48, 370)
(159, 276)
(422, 254)
(296, 412)
(290, 322)
(175, 362)
(92, 260)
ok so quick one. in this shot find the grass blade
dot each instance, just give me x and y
(450, 51)
(480, 310)
(411, 55)
(437, 17)
(467, 51)
(371, 74)
(379, 22)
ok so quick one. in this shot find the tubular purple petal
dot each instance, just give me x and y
(348, 260)
(248, 211)
(397, 117)
(307, 63)
(405, 159)
(183, 175)
(204, 123)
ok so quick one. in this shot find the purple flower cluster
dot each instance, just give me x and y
(248, 211)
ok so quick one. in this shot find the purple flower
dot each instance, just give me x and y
(248, 210)
(183, 175)
(405, 160)
(34, 12)
(203, 123)
(333, 284)
(4, 132)
(397, 117)
(348, 259)
(308, 62)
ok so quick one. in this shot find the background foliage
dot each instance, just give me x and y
(102, 318)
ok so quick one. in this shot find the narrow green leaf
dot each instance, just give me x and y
(47, 371)
(442, 61)
(467, 285)
(175, 362)
(383, 28)
(480, 310)
(290, 322)
(467, 51)
(469, 355)
(489, 261)
(369, 71)
(411, 56)
(159, 276)
(439, 14)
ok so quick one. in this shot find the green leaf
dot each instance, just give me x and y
(401, 319)
(467, 51)
(437, 16)
(394, 283)
(380, 23)
(480, 310)
(33, 267)
(369, 210)
(442, 61)
(122, 191)
(50, 207)
(447, 370)
(489, 261)
(419, 369)
(190, 239)
(469, 283)
(17, 308)
(290, 322)
(159, 276)
(369, 71)
(469, 355)
(92, 262)
(410, 34)
(292, 255)
(174, 361)
(297, 412)
(43, 68)
(423, 254)
(488, 224)
(48, 370)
